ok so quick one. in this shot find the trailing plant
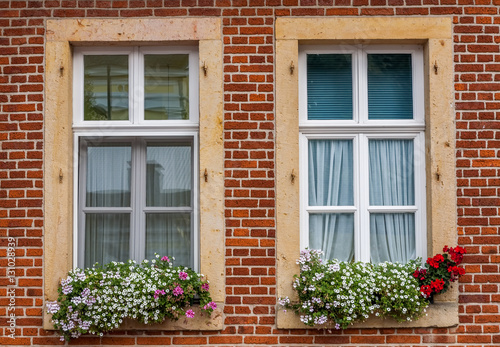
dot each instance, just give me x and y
(96, 300)
(341, 293)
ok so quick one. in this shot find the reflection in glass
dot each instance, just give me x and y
(106, 238)
(166, 86)
(105, 87)
(168, 174)
(108, 175)
(169, 234)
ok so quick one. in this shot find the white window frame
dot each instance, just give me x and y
(136, 127)
(360, 129)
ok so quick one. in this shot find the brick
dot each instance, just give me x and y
(403, 339)
(225, 339)
(261, 339)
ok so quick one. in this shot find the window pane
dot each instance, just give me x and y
(108, 175)
(392, 177)
(169, 234)
(392, 237)
(169, 174)
(330, 173)
(333, 233)
(390, 94)
(106, 238)
(166, 86)
(105, 87)
(329, 86)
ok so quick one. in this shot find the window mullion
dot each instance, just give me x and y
(81, 201)
(195, 218)
(364, 199)
(358, 107)
(138, 199)
(78, 87)
(138, 87)
(362, 86)
(418, 85)
(420, 197)
(303, 189)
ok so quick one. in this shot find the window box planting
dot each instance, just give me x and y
(338, 294)
(96, 300)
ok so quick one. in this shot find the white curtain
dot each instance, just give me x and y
(169, 234)
(108, 176)
(107, 185)
(392, 183)
(107, 238)
(331, 184)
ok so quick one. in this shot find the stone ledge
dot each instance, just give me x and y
(439, 315)
(198, 323)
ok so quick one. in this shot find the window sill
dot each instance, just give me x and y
(439, 315)
(199, 323)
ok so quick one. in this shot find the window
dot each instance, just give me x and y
(63, 129)
(136, 129)
(362, 152)
(434, 35)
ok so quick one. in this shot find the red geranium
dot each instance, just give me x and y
(456, 272)
(437, 285)
(426, 290)
(435, 261)
(420, 274)
(456, 254)
(440, 270)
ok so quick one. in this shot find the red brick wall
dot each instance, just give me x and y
(248, 33)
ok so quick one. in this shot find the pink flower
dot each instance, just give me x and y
(183, 275)
(159, 292)
(211, 305)
(165, 258)
(190, 313)
(205, 286)
(178, 291)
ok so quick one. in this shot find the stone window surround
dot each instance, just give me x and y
(61, 35)
(435, 35)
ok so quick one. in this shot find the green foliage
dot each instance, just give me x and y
(96, 300)
(342, 293)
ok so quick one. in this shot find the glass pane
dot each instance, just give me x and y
(390, 94)
(105, 87)
(107, 238)
(169, 234)
(108, 175)
(392, 175)
(330, 173)
(392, 237)
(166, 86)
(329, 86)
(169, 174)
(333, 233)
